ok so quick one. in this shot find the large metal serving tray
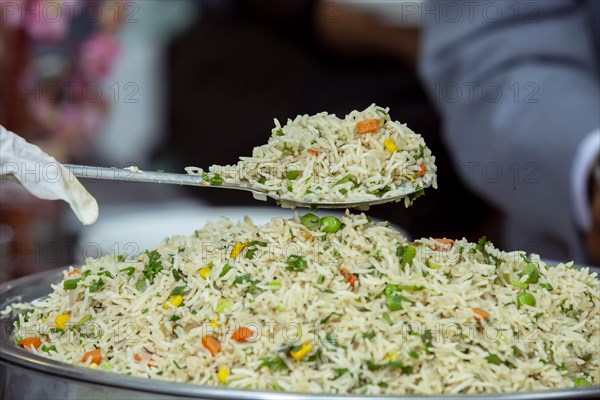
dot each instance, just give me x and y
(24, 375)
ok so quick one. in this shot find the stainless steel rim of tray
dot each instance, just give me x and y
(14, 358)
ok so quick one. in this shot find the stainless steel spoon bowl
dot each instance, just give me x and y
(135, 175)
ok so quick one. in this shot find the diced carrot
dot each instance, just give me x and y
(479, 311)
(211, 344)
(313, 152)
(367, 126)
(31, 341)
(423, 169)
(149, 357)
(242, 334)
(74, 272)
(95, 355)
(443, 242)
(351, 278)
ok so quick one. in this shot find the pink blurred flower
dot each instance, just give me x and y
(12, 12)
(97, 56)
(46, 20)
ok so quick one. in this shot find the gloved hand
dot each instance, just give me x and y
(43, 176)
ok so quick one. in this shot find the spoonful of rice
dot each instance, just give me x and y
(319, 161)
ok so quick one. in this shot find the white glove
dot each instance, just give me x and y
(43, 176)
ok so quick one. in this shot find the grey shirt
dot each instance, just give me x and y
(517, 84)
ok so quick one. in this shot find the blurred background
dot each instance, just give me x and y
(167, 84)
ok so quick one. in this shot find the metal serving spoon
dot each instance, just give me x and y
(134, 175)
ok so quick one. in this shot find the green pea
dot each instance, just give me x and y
(526, 299)
(393, 297)
(291, 175)
(311, 221)
(532, 272)
(581, 382)
(330, 224)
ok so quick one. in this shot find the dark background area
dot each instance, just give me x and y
(236, 69)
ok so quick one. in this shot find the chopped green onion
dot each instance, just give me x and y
(97, 285)
(296, 263)
(393, 297)
(547, 286)
(141, 285)
(178, 290)
(494, 359)
(154, 265)
(279, 132)
(84, 320)
(413, 354)
(223, 305)
(349, 178)
(274, 285)
(386, 316)
(291, 175)
(105, 273)
(145, 310)
(433, 265)
(581, 382)
(326, 319)
(226, 269)
(369, 335)
(242, 278)
(176, 274)
(71, 284)
(406, 254)
(413, 288)
(520, 284)
(48, 349)
(321, 279)
(129, 270)
(274, 363)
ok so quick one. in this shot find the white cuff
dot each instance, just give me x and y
(587, 152)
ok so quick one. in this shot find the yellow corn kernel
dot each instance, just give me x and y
(61, 321)
(215, 324)
(174, 301)
(391, 145)
(223, 374)
(93, 365)
(302, 352)
(391, 357)
(237, 249)
(205, 272)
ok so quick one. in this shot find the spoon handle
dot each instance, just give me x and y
(132, 175)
